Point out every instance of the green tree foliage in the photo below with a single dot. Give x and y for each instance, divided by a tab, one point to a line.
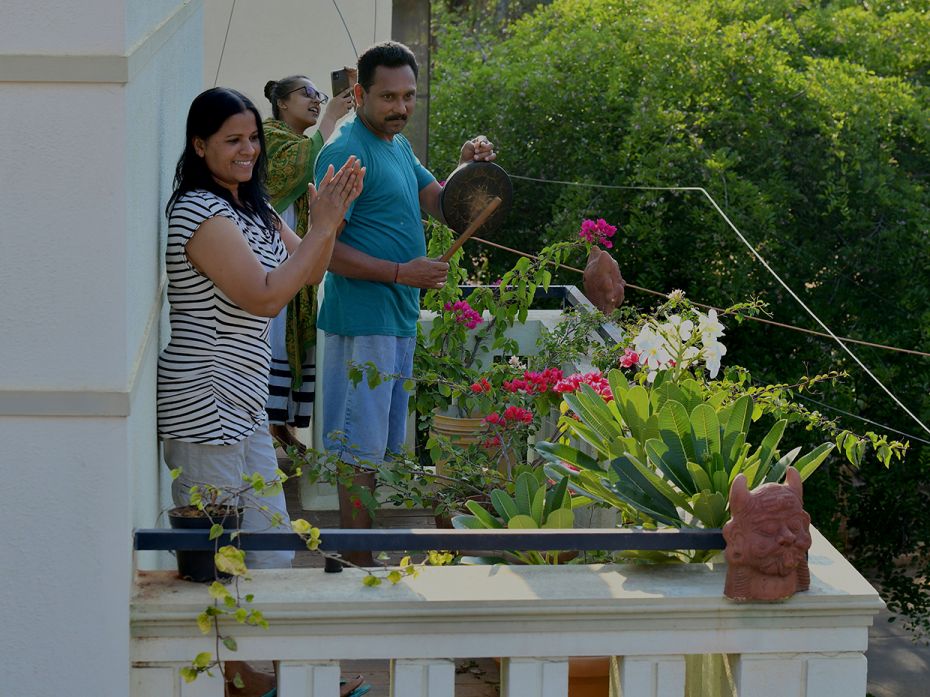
808	122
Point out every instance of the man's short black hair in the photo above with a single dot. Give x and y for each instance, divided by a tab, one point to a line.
390	54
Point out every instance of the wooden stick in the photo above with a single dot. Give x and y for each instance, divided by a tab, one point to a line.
472	228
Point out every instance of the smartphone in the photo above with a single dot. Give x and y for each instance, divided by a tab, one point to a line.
340	80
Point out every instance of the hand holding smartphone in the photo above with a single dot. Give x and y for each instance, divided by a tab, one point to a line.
341	81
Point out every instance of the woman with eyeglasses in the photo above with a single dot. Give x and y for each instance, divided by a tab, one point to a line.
296	105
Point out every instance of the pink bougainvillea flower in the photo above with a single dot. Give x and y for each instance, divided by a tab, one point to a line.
629	358
597	232
464	314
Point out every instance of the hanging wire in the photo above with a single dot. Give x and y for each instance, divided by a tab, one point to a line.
348	33
761	260
712	307
225	38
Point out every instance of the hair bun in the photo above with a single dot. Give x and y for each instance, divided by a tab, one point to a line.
269	89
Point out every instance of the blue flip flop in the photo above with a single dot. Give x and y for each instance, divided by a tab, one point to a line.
362	689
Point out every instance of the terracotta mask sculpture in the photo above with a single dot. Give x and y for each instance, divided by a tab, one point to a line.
767	538
603	284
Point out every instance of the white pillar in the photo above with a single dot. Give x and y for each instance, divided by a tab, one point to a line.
422	677
534	677
772	675
653	676
308	678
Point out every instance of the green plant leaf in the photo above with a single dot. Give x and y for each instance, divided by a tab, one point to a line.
230	560
662	486
467	522
769	445
735	421
215	531
705	432
556	452
710	508
618	383
524	489
522	522
634	406
503	504
700	477
560	518
557	497
487	520
809	463
539	505
632	485
777	471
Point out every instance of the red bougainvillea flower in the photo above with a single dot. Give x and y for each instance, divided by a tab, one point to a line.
481	386
629	358
597	232
492	442
534	383
357	503
514	414
493	418
595	379
464	314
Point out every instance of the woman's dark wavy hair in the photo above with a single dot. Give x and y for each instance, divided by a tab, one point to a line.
207	114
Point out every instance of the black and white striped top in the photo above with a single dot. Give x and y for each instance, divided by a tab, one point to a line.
213	374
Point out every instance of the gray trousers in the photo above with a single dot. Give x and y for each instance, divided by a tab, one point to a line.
223	467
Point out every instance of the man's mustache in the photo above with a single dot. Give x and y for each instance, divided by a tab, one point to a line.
398	117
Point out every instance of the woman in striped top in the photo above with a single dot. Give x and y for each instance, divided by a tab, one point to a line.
232	264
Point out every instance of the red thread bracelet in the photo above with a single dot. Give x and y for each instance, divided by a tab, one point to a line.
396	270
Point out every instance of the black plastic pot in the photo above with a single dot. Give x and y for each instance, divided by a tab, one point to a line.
198	566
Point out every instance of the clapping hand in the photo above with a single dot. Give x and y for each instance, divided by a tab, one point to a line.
337	191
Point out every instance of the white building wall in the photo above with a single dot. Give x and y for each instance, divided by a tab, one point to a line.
271	39
93	97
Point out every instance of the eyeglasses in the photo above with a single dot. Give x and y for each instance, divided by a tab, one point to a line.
311	93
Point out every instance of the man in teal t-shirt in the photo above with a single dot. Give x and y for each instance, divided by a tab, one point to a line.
371	299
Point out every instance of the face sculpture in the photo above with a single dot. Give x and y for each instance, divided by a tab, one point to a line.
767	538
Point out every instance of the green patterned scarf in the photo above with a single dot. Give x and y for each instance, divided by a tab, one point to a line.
290	170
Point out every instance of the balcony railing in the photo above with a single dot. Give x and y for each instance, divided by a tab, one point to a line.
653	620
648	617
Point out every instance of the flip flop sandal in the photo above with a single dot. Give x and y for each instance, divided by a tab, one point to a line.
362	689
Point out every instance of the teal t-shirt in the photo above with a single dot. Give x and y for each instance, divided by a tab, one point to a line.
383	222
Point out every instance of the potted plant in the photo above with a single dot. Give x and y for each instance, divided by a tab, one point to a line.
667	443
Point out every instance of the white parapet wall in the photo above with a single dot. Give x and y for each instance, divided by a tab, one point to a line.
649	617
